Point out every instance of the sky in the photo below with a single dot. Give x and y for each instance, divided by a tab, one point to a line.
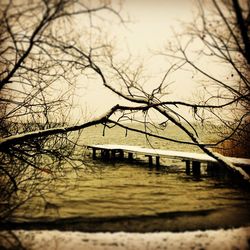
150	25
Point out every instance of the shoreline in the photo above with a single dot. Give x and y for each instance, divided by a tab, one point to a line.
178	221
238	238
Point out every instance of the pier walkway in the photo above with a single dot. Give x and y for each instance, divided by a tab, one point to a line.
109	151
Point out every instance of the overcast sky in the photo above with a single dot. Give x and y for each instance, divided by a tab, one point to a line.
152	26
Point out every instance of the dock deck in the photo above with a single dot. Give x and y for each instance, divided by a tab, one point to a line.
188	157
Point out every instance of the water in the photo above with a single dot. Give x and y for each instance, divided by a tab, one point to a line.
114	196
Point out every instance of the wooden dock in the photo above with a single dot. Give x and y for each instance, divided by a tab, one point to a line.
194	160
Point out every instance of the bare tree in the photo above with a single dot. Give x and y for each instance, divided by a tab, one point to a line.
221	31
41	55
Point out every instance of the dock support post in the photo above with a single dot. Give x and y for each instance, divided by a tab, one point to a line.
121	154
187	167
210	168
94	153
130	156
157	161
113	154
105	154
150	160
196	168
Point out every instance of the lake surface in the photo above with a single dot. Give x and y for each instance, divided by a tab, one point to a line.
124	196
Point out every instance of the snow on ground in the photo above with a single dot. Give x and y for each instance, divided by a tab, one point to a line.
58	240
